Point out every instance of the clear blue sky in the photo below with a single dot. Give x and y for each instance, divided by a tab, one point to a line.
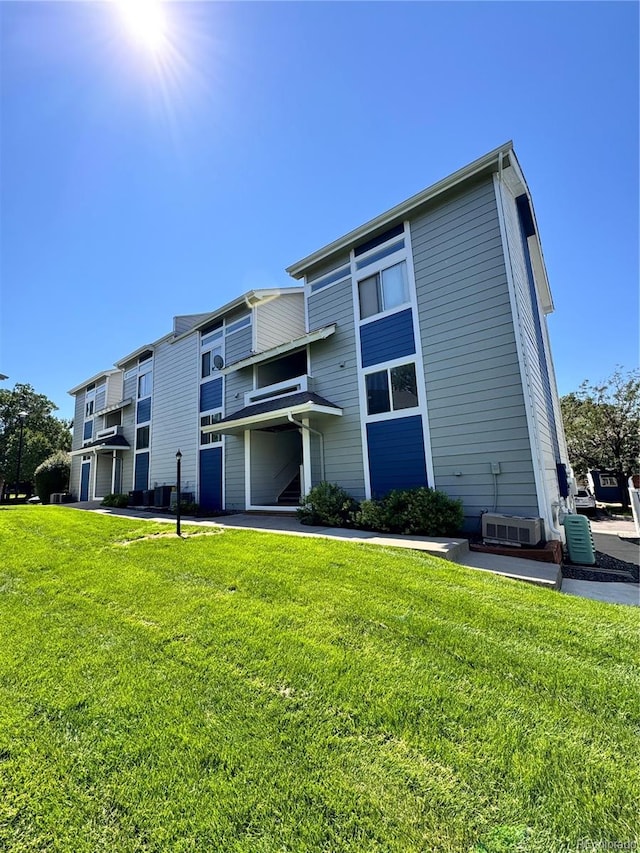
135	188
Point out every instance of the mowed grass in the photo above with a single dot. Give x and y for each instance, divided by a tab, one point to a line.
253	692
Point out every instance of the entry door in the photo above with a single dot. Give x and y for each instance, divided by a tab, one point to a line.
85	474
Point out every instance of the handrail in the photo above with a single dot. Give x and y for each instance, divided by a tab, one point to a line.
292	461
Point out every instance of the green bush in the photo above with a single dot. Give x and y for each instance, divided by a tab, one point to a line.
52	475
329	505
421	512
116	500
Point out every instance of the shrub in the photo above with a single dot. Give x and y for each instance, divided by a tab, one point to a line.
116	500
187	508
52	475
421	511
328	504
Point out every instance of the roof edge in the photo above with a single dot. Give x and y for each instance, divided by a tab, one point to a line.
401	210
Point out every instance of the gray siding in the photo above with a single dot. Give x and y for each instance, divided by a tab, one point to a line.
236	383
343	436
114	389
174	413
184	322
101	396
238	345
78	421
129	432
474	393
531	355
279	320
325	267
103	473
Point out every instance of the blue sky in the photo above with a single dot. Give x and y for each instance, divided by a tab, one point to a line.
136	187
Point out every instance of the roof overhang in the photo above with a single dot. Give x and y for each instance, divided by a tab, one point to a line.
115	407
282	349
277	417
99	448
136	354
247	300
102	375
484	165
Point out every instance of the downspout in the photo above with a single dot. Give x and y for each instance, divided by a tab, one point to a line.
292	420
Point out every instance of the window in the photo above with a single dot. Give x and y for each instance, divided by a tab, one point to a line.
89	400
607	481
144	385
239	324
88	409
113	419
392	389
211	345
210	437
142	438
384	290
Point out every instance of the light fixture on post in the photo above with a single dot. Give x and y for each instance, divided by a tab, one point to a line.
178	494
22	417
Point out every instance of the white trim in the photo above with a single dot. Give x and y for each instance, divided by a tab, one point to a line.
394	415
253	420
269	508
536	459
305	486
83	385
247	468
278	389
423	402
362	390
387	313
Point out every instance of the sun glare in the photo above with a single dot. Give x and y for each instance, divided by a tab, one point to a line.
146	22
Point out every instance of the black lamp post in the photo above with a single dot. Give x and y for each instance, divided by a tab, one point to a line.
178	495
22	417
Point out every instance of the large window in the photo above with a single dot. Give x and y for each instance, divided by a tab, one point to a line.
384	290
392	389
142	438
144	385
210	437
211	347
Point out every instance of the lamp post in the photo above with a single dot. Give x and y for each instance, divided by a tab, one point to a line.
178	495
22	416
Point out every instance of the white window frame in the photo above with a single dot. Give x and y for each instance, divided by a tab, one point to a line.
209	342
377	268
239	324
207	440
387	367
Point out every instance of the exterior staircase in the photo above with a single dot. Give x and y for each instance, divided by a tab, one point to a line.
290	495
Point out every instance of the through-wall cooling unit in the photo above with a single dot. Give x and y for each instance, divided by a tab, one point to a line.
512	530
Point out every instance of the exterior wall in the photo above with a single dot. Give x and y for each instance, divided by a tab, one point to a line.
344	462
103	473
114	389
275	459
279	320
238	345
534	341
474	394
101	395
184	322
236	383
174	423
129	432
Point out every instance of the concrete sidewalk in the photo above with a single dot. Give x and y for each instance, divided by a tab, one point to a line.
615	536
456	550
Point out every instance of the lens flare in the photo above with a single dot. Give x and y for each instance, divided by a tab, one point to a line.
146	22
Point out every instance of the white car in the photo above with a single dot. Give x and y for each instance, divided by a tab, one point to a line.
585	501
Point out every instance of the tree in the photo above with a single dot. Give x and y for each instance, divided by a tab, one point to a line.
43	433
602	425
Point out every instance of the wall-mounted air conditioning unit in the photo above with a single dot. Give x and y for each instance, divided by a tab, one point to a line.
512	530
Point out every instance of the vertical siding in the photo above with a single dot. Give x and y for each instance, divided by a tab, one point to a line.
174	422
279	320
539	384
472	374
236	383
343	437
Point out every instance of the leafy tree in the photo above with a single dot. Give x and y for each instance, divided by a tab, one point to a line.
43	433
602	425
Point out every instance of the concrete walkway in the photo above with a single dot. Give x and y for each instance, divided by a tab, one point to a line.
456	550
616	537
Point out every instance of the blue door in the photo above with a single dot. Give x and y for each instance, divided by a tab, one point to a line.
211	478
84	481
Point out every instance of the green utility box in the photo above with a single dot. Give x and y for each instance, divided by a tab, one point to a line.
579	540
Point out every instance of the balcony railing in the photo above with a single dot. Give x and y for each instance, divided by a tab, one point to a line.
279	389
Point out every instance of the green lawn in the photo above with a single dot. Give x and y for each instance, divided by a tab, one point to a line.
251	692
